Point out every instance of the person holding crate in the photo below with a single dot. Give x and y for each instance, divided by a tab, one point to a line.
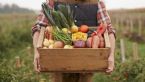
94	11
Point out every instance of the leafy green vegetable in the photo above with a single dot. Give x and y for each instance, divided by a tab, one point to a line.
60	36
61	18
47	11
68	13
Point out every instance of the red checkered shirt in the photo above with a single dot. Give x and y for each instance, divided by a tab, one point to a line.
102	16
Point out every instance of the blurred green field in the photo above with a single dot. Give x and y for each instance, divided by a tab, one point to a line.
16	42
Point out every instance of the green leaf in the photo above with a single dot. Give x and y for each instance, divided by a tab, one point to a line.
63	20
47	13
56	18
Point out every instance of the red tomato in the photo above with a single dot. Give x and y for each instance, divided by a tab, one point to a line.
84	28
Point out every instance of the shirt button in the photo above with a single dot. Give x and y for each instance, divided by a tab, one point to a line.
76	6
75	21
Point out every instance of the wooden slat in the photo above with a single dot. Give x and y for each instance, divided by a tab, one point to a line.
41	37
73	60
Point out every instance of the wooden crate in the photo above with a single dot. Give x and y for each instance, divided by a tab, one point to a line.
73	60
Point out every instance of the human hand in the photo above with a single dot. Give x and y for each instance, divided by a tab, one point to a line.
36	61
36	54
110	64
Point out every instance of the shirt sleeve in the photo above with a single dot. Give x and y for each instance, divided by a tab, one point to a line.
103	16
41	19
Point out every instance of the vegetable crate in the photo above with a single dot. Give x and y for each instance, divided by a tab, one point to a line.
73	60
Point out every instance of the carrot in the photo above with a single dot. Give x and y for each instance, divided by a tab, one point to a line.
100	30
95	42
102	42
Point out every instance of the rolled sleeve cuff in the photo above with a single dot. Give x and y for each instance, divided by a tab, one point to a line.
35	28
112	30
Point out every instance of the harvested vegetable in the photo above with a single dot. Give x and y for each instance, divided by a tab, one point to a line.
68	13
60	36
68	47
79	36
62	22
44	47
58	44
102	42
65	30
84	28
46	43
51	41
47	12
49	29
74	29
100	30
95	42
48	32
89	42
51	46
79	44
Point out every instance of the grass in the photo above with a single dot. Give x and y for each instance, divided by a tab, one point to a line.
16	41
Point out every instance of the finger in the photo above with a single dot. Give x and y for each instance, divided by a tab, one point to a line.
110	67
38	65
109	71
35	68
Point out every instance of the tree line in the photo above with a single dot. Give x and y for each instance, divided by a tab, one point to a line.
13	9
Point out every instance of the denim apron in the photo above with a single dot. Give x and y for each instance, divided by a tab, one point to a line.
83	13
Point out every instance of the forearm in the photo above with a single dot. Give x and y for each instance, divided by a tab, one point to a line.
112	49
35	40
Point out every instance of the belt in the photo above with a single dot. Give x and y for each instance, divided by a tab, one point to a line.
78	1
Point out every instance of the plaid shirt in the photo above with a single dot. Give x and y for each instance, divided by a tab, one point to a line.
102	16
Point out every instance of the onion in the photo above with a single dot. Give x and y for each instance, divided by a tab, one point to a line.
74	29
51	46
58	44
46	43
68	47
80	44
